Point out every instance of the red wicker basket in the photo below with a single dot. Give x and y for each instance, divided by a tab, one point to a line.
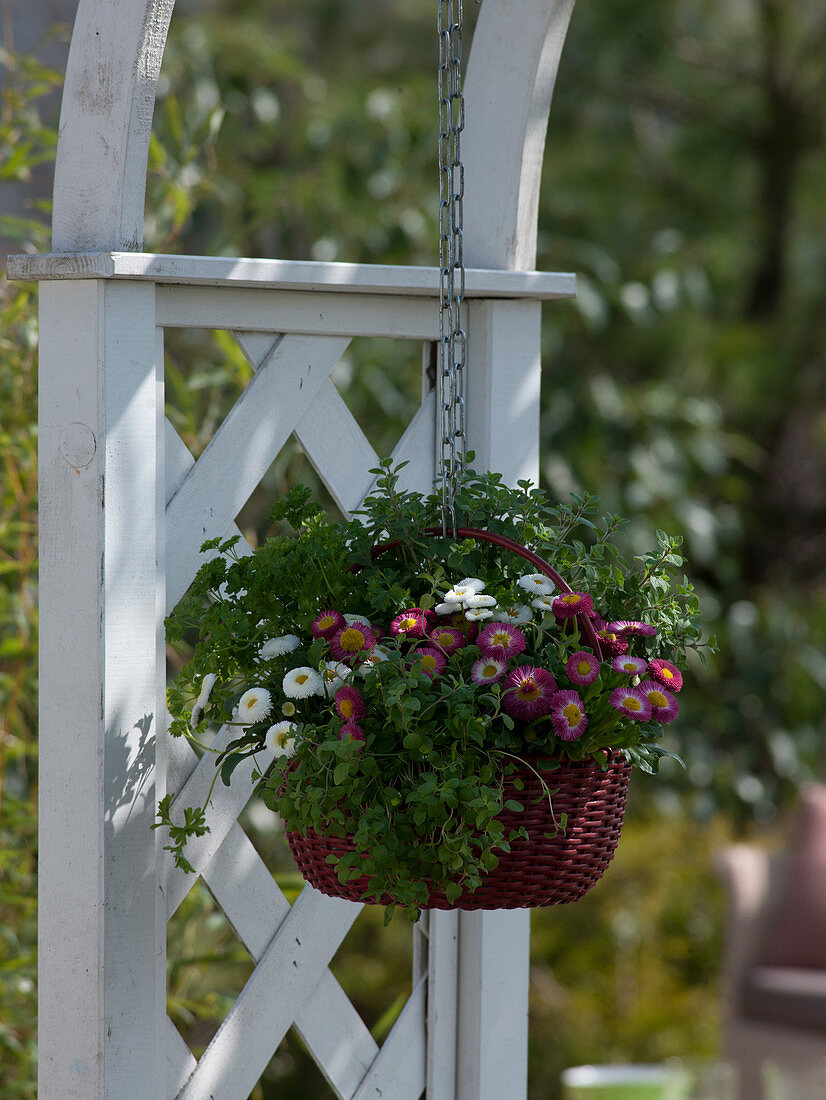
550	867
545	869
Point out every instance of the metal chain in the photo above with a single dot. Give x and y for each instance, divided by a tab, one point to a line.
453	338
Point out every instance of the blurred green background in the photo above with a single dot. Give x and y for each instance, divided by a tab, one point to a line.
685	183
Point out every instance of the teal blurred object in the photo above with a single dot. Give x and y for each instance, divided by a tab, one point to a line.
626	1083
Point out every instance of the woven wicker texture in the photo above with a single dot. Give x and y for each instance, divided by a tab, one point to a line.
541	870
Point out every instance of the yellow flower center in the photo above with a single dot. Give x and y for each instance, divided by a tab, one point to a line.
252	702
583	668
282	739
326	621
351	640
632	703
572	714
302	678
429	662
501	639
288	709
345	707
408	623
657	699
528	691
571	598
667	673
629	666
489	671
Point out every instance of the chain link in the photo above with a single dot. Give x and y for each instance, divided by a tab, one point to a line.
452	335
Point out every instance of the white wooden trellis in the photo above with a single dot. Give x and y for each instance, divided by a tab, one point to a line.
124	509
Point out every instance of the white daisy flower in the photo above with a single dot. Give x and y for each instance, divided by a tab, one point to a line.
479	601
468	587
544	603
515	613
377	654
476	614
537	583
254	704
301	683
449	607
277	647
334	676
279	741
207	684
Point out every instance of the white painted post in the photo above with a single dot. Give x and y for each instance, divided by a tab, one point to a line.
503	429
511	75
102	921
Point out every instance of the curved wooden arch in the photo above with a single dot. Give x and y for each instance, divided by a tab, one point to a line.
510	80
109	97
105	124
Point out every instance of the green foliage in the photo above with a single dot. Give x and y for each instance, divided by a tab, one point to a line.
421	787
26	141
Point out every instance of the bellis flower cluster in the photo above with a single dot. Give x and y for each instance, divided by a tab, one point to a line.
385	678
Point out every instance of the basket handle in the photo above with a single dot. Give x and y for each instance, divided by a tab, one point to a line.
585	624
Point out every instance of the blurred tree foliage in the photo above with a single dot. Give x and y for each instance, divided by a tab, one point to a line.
684	183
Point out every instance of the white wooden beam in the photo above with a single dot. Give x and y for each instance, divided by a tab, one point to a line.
297	275
503	389
101	936
337	448
277	990
442	1006
241	451
492	1054
328	1024
180	1061
399	1071
297	311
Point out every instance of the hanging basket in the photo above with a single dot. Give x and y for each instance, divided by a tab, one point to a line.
548	868
552	866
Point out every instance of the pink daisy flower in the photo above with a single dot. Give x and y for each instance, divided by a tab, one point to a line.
572	603
349	703
633	666
501	640
582	668
626	627
469	630
568	715
612	644
431	661
666	673
664	707
327	624
527	692
410	624
448	639
631	702
351	732
349	643
487	670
